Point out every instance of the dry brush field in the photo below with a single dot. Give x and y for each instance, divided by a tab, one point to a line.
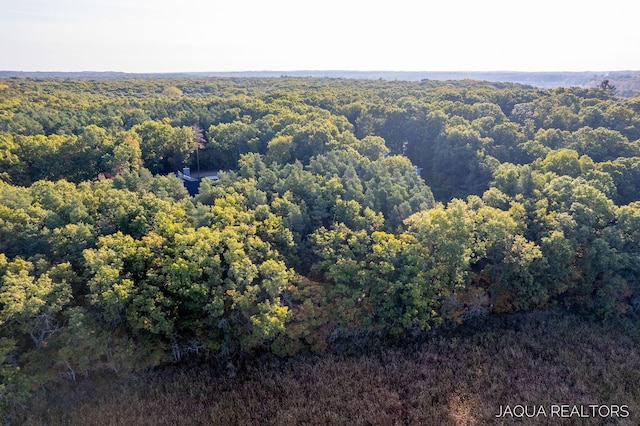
541	359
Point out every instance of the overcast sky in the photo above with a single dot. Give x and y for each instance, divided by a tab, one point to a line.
256	35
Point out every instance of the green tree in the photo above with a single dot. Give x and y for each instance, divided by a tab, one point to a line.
31	305
447	235
378	279
9	160
164	148
373	147
231	140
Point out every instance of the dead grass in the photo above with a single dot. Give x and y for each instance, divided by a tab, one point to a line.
458	379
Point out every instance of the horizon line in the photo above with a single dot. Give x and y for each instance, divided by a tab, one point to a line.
316	71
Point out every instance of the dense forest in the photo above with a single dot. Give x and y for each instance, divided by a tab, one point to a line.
627	83
343	208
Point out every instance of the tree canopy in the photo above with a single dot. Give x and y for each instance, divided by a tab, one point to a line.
340	207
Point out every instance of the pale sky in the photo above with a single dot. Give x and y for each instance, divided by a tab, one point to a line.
288	35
